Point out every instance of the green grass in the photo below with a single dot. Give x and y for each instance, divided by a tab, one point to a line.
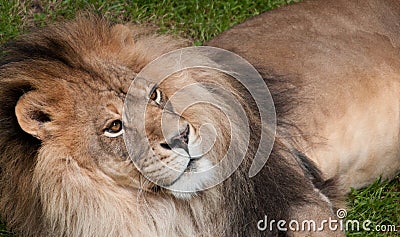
195	19
200	21
380	204
3	231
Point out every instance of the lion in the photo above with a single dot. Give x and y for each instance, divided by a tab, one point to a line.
65	169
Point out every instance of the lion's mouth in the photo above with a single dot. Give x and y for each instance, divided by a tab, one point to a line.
184	149
191	167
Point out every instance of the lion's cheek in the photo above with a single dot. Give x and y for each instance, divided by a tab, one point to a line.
163	170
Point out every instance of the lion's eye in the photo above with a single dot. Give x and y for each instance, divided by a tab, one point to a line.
114	129
156	96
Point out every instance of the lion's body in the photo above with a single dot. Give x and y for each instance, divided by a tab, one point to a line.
342	60
65	170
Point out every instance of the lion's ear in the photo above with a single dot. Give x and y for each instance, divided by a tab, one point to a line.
31	115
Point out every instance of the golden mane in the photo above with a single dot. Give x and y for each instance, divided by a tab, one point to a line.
46	192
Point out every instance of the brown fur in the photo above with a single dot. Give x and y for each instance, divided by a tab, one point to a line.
61	177
341	59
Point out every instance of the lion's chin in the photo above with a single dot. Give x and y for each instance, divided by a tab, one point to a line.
195	178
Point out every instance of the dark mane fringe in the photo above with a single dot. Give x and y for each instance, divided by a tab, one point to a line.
18	150
273	192
285	93
83	48
48	44
287	180
286	96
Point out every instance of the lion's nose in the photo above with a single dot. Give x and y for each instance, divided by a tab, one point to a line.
179	141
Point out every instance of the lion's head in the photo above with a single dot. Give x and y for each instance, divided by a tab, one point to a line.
64	89
65	169
72	104
185	138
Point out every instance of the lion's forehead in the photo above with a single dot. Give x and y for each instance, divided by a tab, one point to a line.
79	103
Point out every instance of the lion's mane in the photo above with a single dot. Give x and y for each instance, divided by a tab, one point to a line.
35	200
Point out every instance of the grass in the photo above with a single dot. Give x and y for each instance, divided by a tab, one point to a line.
4	232
196	19
380	204
200	21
